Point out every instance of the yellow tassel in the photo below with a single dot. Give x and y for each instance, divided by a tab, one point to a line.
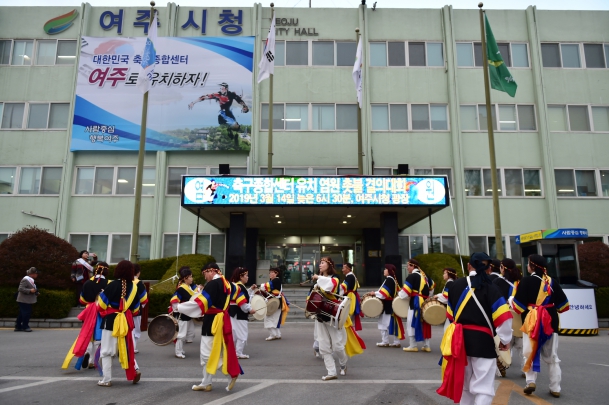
217	345
69	356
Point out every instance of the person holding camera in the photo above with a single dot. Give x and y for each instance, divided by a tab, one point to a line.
27	296
81	272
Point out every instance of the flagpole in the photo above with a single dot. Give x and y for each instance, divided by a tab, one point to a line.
491	141
360	154
135	233
269	169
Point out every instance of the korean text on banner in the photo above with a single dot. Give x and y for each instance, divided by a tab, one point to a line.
148	63
357	72
267	60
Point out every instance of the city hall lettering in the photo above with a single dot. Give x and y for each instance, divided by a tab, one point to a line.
292	22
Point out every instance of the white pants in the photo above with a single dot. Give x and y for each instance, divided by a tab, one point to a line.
549	354
516	347
186	332
108	350
137	330
240	333
331	340
478	386
411	333
206	345
91	349
383	326
270	323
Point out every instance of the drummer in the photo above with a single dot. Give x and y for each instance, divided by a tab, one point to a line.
449	276
185	289
507	283
389	324
240	308
418	287
274	322
330	339
349	288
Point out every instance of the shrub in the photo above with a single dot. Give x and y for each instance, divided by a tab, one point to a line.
158	303
54	304
594	263
433	265
151	269
602	302
35	247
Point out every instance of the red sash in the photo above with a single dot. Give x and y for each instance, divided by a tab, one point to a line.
227	331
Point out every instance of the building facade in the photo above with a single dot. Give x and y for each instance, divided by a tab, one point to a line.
423	105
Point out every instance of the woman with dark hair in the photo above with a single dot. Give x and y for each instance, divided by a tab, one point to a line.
116	305
507	283
539	300
240	308
274	287
389	324
449	274
90	291
330	339
184	291
418	287
81	271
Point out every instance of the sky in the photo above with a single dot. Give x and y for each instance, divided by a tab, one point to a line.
462	4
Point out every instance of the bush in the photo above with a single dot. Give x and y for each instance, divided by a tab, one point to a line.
433	265
594	263
35	247
54	304
602	302
158	303
151	269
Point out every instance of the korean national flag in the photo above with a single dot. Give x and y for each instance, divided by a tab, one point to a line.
144	79
267	61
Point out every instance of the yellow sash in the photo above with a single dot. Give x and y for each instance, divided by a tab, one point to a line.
218	345
121	328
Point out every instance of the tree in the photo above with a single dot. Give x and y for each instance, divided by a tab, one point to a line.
594	263
35	247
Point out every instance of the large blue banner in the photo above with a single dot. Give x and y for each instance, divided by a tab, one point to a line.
200	98
310	190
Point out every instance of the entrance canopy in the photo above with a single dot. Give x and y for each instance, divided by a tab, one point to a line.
313	202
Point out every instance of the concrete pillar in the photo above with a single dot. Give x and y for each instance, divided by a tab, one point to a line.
391	251
235	244
373	262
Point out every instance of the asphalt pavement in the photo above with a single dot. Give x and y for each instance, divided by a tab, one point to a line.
279	372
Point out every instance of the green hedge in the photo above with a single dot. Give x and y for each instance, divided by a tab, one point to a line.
602	302
433	265
54	304
151	269
158	303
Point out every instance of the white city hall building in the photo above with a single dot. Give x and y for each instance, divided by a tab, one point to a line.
423	105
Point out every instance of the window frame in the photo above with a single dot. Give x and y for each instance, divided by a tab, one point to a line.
495	108
409	112
511	64
407	54
10	51
114	181
501	184
194	242
17	180
35	47
597	183
590	116
109	243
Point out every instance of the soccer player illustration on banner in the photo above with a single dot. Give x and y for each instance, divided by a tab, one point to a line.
225	117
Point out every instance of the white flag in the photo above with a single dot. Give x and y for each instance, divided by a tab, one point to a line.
267	61
357	72
144	78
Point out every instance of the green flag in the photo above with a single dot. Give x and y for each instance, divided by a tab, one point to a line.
501	78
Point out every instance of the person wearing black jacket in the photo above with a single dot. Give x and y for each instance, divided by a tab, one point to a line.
240	308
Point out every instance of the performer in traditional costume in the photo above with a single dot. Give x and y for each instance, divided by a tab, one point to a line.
240	308
89	338
418	286
343	342
116	304
494	270
468	345
449	276
540	299
137	317
81	272
273	322
389	324
349	288
507	283
185	289
217	345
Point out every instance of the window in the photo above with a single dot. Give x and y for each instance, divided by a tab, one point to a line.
5	51
512	117
7	180
345	53
323	171
279	53
570	55
275	171
511	182
111	248
567	55
399	117
594	56
393	117
40	118
343	171
296	117
435	54
550	55
148	182
12	115
581	182
121	246
174	180
421	117
125	181
416	53
278	118
576	118
346	116
4	236
323	117
66	53
442	244
397	53
45	52
51	180
381	171
469	54
485	244
102	183
380	117
212	244
600	118
297	53
29	181
22	52
296	171
378	54
112	181
143	247
323	53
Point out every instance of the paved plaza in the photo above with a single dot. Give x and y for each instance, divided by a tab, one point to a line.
278	372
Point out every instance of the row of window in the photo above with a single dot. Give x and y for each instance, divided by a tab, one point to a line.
26	52
469	54
582	183
576	118
568	55
512	117
112	181
112	248
34	115
511	182
30	180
